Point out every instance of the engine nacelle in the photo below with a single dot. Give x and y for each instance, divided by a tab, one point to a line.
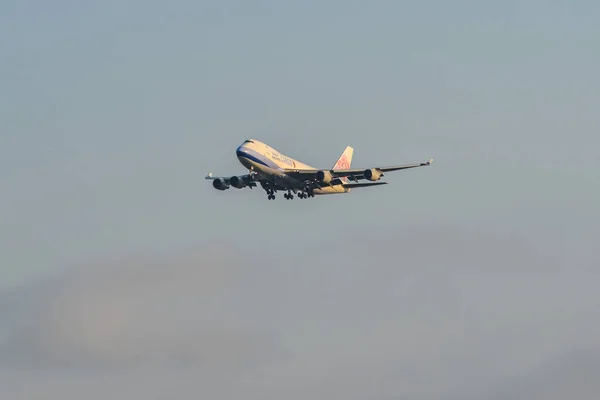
324	177
220	184
238	182
372	174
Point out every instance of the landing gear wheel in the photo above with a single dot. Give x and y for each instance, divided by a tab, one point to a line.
270	194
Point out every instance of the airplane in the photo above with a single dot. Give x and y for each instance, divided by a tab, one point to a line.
275	172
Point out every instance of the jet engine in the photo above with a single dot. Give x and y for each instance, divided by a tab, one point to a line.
220	184
324	177
238	182
372	174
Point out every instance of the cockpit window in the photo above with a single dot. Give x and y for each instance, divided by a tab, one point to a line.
248	141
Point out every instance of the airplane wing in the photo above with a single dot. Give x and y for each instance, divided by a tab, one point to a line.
359	185
354	174
210	176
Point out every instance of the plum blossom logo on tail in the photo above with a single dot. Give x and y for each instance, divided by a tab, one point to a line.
342	163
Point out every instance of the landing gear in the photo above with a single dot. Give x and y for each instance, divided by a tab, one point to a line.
302	194
308	192
270	194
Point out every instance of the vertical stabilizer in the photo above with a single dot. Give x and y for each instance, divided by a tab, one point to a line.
345	159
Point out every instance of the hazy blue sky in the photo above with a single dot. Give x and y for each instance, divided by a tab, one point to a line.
111	114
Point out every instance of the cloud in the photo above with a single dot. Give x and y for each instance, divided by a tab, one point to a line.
429	312
130	313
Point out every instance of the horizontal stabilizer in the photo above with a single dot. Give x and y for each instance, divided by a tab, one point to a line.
358	185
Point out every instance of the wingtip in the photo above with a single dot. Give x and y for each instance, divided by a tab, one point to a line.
208	176
430	161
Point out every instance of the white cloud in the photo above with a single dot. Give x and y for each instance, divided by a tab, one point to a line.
432	313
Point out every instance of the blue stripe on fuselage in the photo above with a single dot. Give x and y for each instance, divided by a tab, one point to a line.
246	155
242	154
256	157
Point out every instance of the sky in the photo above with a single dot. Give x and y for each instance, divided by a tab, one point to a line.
124	274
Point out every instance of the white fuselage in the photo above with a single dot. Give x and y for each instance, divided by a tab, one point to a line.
271	164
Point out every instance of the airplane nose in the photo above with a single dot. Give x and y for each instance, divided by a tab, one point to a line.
241	153
242	156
